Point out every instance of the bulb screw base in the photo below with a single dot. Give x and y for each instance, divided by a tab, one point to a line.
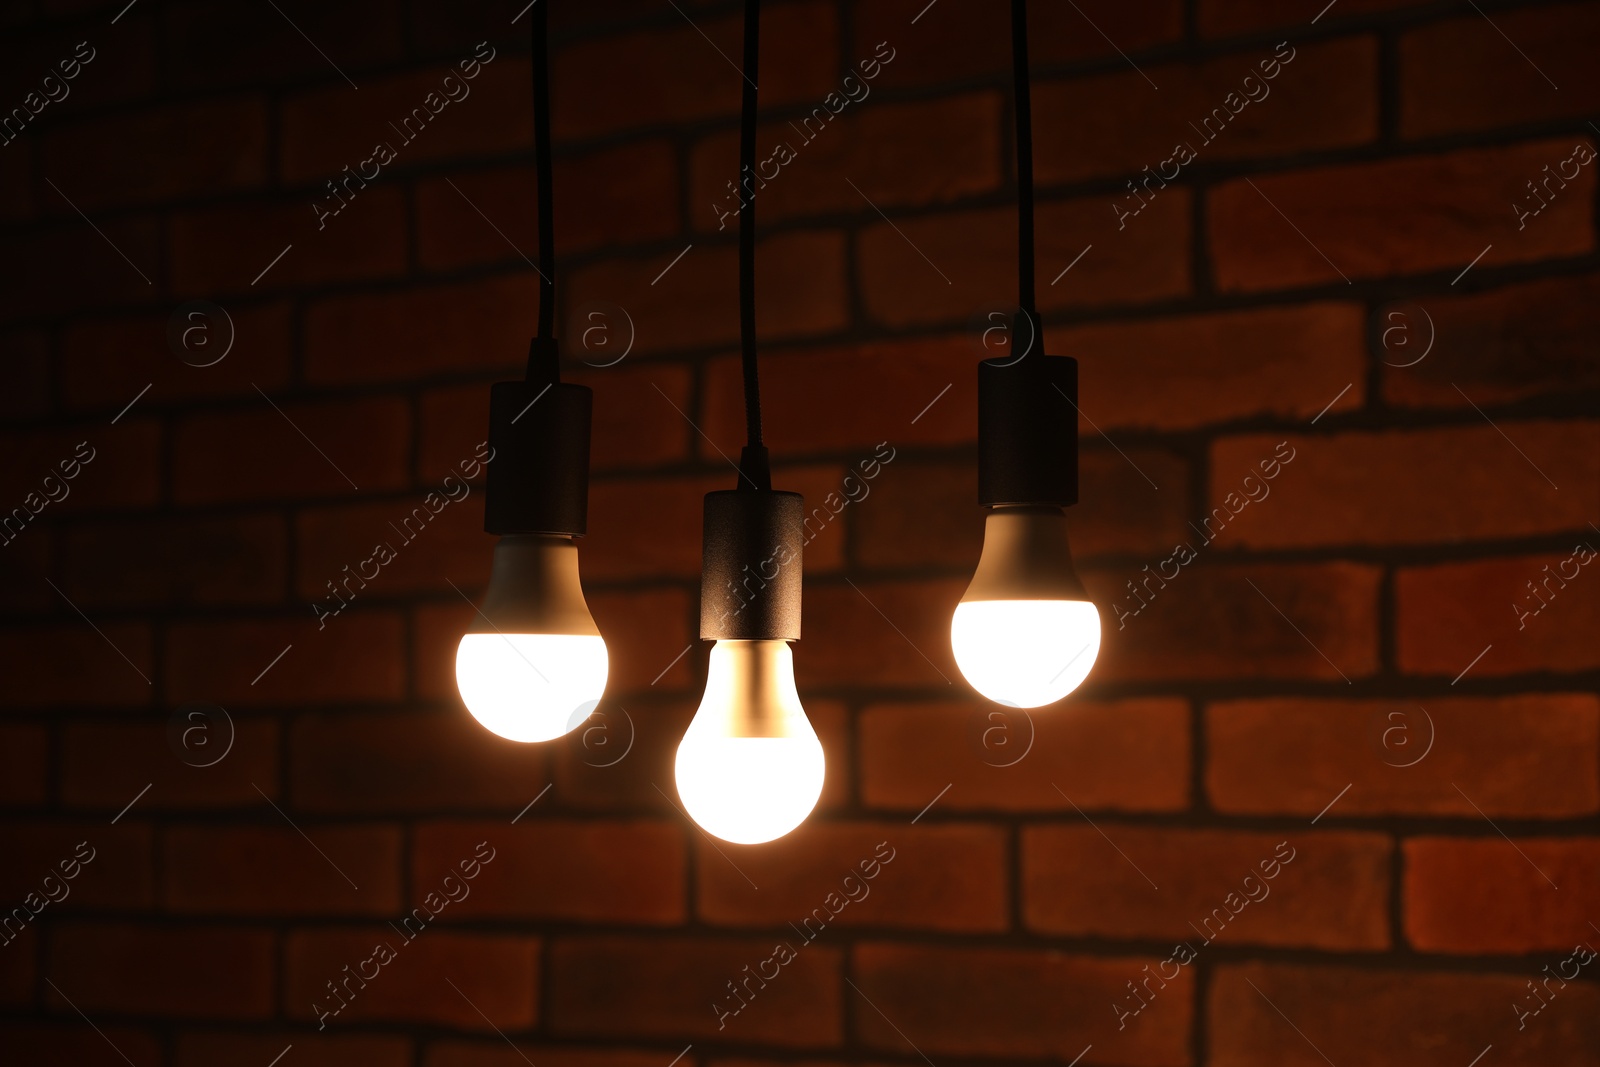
1028	431
751	565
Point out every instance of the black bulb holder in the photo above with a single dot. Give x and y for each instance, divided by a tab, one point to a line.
538	480
751	565
1028	431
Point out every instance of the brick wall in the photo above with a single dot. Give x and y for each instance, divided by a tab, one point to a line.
1338	750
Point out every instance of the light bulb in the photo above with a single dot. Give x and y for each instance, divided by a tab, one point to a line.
532	665
1025	633
750	767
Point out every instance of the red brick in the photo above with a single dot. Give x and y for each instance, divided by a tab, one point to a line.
105	765
920	513
1531	756
971	259
18	973
190	972
821	868
1505	345
205	148
260	453
1332	894
630	426
1404	487
16	178
623	195
644	634
25	374
1401	1016
236	559
71	1044
1223	18
1326	97
557	870
619	546
1197	370
430	548
23	566
356	657
1328	610
895	155
1493	895
671	987
381	763
850	635
71	664
954	42
123	73
118	873
496	976
494	1053
673	73
106	362
1465	74
419	333
1130	755
800	290
310	1049
71	267
230	249
1393	218
122	468
871	390
986	1002
24	753
625	753
1447	615
269	50
244	870
328	129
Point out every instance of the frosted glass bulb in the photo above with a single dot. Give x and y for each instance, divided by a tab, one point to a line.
1025	633
1025	653
750	767
532	665
531	687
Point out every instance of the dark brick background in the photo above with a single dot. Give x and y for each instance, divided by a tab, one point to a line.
1328	634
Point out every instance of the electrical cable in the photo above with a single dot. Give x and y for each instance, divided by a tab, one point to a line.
753	467
1023	108
541	142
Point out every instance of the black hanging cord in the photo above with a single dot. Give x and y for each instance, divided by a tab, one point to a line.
1024	115
542	361
753	467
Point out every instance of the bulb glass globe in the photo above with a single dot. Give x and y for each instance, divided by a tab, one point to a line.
1025	653
1025	633
750	767
533	665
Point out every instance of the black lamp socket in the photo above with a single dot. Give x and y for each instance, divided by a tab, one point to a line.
1028	431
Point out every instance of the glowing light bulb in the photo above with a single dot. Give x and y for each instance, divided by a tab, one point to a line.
750	767
1025	633
533	665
